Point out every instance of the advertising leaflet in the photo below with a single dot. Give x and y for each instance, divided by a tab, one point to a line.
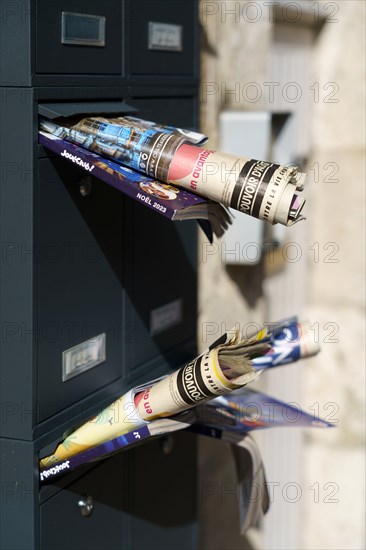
167	200
290	342
228	365
264	190
228	418
197	382
248	409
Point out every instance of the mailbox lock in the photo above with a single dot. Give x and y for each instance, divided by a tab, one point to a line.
167	444
86	506
85	186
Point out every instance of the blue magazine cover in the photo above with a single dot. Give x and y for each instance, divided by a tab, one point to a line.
167	200
228	418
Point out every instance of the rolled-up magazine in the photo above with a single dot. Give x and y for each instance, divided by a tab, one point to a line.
264	190
289	342
195	383
227	365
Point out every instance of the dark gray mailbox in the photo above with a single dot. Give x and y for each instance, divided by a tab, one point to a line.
77	264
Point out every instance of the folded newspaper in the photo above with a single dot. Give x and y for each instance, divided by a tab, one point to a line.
228	365
264	190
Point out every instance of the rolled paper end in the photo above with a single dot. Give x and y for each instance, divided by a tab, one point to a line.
308	345
290	207
296	207
137	399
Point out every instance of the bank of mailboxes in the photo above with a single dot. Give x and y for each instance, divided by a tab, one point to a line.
79	261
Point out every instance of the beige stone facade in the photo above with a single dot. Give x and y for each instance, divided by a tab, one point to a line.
237	48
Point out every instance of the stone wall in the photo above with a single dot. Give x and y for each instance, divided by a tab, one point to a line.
337	298
235	50
228	297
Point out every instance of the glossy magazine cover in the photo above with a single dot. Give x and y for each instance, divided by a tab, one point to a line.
164	199
228	418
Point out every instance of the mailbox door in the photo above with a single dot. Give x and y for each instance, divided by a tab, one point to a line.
160	268
163	37
144	498
79	289
160	289
81	37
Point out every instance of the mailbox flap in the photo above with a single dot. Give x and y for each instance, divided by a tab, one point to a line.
66	109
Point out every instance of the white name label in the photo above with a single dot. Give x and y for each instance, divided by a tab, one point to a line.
164	36
83	357
165	317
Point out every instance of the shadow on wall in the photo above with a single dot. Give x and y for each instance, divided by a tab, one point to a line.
249	280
